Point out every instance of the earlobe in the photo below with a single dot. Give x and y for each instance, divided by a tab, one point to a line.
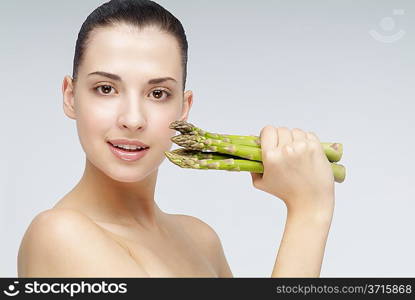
187	104
68	97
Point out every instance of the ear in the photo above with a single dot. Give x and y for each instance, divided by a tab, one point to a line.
187	104
68	97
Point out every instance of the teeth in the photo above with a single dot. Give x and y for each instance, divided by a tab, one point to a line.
129	147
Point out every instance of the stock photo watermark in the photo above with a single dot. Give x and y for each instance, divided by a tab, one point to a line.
70	289
387	31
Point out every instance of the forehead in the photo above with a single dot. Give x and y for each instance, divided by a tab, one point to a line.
140	52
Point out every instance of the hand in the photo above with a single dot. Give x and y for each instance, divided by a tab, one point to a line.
296	170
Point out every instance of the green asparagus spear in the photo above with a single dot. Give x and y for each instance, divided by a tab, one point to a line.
188	128
196	142
333	151
194	159
202	155
201	160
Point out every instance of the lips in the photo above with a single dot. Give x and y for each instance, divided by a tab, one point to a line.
127	150
127	142
127	155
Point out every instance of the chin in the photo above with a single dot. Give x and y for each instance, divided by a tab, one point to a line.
127	171
128	175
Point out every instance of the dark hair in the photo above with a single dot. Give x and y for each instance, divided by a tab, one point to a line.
140	13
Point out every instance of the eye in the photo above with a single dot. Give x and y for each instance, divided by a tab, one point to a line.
105	89
158	94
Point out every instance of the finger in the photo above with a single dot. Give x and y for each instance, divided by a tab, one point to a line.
269	138
256	178
284	137
299	146
312	136
298	134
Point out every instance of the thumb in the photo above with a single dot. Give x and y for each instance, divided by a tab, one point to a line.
256	178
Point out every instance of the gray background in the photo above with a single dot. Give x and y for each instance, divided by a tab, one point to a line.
308	64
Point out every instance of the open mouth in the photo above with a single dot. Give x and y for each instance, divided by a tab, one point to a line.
128	150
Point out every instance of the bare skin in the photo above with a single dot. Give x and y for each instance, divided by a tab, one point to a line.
91	248
174	246
109	224
297	171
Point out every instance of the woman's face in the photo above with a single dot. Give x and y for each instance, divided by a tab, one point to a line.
127	104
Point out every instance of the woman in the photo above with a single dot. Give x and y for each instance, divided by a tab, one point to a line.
128	85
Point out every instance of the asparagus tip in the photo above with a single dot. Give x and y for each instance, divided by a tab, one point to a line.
182	126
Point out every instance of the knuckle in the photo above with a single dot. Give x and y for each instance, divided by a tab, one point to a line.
299	145
288	149
283	128
283	132
314	145
268	127
266	130
312	135
298	130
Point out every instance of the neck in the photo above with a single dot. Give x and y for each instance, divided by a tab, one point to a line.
126	203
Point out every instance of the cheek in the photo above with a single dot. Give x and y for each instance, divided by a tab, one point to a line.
93	123
158	124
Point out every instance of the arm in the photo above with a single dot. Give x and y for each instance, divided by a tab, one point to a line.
297	171
301	250
302	247
65	243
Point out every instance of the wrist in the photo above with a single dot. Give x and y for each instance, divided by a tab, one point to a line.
320	212
318	218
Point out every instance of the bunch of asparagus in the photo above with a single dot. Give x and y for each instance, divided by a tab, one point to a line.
206	150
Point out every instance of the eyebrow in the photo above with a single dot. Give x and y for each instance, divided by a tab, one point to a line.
118	78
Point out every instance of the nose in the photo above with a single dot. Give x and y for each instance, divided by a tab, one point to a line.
131	114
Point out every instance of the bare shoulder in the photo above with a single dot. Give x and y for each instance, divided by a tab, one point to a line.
199	229
208	240
66	243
